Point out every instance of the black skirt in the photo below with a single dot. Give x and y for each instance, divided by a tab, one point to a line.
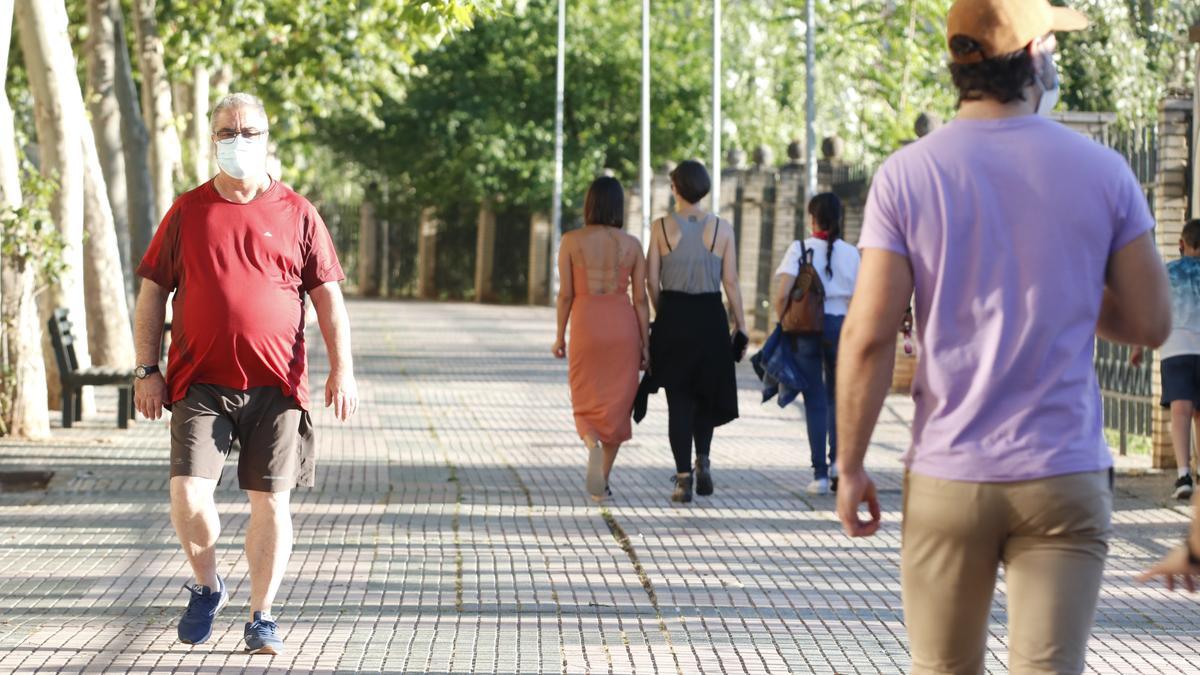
690	351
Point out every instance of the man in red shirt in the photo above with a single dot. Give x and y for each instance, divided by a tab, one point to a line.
239	252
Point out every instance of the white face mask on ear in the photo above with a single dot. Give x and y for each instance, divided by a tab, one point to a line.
1048	81
243	158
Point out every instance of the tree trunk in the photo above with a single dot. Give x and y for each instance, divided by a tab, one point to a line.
200	133
191	105
27	415
368	248
181	111
135	141
156	106
59	113
222	80
109	329
106	117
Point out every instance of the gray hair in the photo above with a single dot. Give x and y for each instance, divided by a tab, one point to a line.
234	101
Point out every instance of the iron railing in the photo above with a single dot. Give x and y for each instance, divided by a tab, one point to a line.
1125	388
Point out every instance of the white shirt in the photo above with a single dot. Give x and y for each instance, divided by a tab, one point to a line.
840	285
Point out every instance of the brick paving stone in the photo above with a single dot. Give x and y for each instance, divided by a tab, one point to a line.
449	532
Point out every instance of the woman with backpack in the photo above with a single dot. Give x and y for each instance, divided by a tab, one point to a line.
692	256
834	262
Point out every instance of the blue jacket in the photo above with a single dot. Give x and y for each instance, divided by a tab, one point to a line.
776	366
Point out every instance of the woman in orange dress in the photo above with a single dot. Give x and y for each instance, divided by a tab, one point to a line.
599	265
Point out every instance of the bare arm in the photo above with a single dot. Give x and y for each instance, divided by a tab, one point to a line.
1176	562
1136	308
641	304
729	279
1194	531
654	267
786	282
150	393
149	317
566	298
341	390
866	356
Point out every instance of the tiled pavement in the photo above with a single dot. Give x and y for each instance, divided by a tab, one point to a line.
449	533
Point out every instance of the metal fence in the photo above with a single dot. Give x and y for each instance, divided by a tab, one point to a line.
1125	388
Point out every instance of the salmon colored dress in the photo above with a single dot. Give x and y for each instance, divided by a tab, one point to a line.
604	351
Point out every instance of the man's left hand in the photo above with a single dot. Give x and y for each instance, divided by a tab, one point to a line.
341	392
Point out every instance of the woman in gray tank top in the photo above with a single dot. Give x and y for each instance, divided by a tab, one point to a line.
692	256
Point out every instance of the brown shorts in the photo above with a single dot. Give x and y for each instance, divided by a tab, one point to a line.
274	432
1051	535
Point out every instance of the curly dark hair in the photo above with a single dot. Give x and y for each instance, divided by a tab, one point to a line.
1003	78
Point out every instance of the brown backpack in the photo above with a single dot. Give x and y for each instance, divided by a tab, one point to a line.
804	313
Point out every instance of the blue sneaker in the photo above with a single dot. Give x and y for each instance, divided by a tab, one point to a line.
262	635
196	625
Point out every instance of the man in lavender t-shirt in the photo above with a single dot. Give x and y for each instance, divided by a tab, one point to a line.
1022	241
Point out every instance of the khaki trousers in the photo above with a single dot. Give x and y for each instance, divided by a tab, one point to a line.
1052	537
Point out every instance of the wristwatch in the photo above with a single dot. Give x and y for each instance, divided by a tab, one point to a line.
142	372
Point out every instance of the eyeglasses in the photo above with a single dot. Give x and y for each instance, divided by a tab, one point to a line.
227	136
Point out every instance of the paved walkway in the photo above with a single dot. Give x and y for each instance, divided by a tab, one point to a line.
449	533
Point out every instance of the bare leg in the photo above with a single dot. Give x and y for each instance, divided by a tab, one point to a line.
197	524
268	546
610	457
1181	428
1196	424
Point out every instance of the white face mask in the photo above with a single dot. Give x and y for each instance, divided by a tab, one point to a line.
243	158
1048	81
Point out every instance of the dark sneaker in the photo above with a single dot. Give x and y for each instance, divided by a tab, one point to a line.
683	488
1183	487
262	635
704	483
196	625
833	478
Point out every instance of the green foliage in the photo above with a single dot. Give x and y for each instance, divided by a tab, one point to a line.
880	63
477	116
473	118
1133	53
28	231
309	59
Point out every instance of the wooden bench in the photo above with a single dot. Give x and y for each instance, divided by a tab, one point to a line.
74	378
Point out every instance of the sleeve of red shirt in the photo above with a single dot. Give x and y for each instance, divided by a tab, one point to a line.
159	262
320	259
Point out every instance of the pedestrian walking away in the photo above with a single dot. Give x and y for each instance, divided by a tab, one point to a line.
692	256
600	267
1022	240
239	253
1179	356
816	354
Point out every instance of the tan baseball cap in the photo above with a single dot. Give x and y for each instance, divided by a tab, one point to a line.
1006	26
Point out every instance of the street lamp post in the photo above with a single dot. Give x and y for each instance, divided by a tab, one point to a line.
645	160
716	109
810	100
556	207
